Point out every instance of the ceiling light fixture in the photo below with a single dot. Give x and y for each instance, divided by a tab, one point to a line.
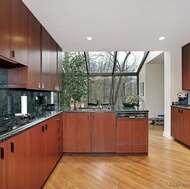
161	38
89	38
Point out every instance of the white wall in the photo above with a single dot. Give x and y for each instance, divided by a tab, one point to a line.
152	74
172	84
154	79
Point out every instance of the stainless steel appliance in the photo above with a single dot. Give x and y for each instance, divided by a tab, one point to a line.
182	99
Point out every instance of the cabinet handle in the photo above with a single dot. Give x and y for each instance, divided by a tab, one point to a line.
39	85
92	116
178	111
13	54
42	128
12	147
46	126
58	119
181	111
87	116
43	85
2	153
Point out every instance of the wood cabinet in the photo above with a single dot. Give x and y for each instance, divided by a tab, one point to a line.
49	62
176	122
76	132
3	164
5	28
180	124
103	132
88	132
132	135
27	159
16	162
186	67
34	53
18	31
59	68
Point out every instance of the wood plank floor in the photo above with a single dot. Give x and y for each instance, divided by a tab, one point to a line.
166	166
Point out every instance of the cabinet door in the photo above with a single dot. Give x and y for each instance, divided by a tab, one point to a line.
18	161
38	155
45	71
185	127
76	132
59	69
53	64
34	49
103	132
132	135
4	28
18	29
186	67
176	122
3	163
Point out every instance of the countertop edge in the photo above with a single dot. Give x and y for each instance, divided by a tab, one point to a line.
26	127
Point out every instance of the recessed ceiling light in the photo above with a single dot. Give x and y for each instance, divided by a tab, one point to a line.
89	38
161	38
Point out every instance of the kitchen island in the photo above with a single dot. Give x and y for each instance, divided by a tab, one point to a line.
115	131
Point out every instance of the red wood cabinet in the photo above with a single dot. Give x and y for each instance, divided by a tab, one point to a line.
18	31
76	132
132	135
3	164
34	53
88	132
103	132
180	124
53	64
176	122
5	28
16	162
186	67
59	68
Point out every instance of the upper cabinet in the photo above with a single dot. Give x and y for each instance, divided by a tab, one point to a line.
4	28
59	69
13	31
34	53
18	31
186	67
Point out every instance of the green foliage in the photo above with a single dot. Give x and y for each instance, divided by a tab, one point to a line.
133	99
74	79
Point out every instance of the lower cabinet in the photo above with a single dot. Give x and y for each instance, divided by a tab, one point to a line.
88	132
15	162
28	158
132	135
180	124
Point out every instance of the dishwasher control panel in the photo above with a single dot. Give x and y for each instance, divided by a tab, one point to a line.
132	115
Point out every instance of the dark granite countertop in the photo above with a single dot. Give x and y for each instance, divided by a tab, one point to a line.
184	107
28	125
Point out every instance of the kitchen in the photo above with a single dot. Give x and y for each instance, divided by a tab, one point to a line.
34	76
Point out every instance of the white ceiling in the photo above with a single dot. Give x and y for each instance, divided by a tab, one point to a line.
115	24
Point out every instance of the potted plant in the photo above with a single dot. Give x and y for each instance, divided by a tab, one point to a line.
132	101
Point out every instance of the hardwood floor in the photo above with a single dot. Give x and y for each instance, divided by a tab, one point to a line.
166	166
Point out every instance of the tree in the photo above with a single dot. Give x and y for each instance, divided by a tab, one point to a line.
74	78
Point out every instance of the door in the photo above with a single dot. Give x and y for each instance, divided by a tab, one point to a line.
103	132
3	163
176	122
18	29
34	55
76	132
4	28
18	161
